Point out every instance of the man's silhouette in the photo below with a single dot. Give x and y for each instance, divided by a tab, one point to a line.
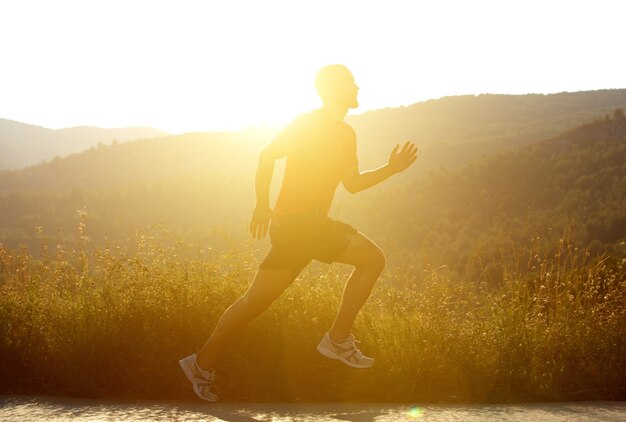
321	152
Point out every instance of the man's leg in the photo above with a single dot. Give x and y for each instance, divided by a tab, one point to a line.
369	262
266	287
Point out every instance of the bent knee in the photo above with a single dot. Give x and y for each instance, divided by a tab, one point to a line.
374	260
378	260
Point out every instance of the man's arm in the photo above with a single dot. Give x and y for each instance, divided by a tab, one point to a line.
399	160
262	214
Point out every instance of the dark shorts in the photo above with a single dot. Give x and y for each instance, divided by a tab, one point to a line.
299	238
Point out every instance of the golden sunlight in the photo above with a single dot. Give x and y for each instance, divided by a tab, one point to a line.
197	66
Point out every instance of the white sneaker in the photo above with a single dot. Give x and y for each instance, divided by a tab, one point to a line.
201	379
346	351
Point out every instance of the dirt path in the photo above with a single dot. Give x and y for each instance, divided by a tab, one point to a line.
26	408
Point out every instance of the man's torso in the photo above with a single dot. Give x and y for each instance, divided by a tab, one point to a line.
320	149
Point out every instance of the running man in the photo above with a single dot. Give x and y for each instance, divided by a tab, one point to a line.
321	152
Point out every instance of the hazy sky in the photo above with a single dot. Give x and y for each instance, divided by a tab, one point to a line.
208	65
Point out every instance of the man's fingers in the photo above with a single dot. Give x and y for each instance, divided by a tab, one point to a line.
408	148
395	149
258	229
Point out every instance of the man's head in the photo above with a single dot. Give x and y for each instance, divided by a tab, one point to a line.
335	85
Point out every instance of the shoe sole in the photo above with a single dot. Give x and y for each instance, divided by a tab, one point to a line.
191	378
332	355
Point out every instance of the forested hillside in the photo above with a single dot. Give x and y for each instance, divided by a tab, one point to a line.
571	186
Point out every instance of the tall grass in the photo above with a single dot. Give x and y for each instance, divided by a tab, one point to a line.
113	320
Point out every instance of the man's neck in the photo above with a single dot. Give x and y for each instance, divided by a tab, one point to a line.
335	111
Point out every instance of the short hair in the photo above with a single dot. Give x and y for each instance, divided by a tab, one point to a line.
327	77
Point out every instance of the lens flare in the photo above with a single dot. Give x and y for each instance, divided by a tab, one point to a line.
416	412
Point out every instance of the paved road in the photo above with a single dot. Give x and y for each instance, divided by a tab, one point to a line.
49	409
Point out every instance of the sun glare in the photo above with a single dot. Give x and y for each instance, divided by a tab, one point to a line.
194	65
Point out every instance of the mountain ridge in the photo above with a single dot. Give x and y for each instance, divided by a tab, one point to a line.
450	131
24	144
484	123
460	130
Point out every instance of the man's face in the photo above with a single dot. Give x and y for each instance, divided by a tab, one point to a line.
347	90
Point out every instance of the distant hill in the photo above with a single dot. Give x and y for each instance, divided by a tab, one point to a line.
453	131
23	145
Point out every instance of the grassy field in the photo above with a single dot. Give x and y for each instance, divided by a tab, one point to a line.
113	320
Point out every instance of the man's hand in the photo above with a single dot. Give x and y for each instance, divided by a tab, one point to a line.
260	223
401	160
